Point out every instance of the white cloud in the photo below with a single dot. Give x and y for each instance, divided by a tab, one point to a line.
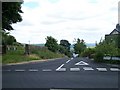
66	19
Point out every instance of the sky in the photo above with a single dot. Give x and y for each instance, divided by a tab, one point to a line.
66	19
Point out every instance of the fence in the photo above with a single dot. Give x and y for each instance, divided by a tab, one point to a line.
111	58
27	48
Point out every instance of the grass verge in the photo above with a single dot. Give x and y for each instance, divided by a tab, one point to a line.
18	56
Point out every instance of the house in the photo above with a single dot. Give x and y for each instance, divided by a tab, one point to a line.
114	36
116	30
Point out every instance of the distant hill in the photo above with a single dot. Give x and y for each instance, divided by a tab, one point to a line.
42	45
88	45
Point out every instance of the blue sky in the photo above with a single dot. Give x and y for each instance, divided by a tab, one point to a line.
66	19
31	4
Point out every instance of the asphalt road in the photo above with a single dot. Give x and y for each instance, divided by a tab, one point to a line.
61	73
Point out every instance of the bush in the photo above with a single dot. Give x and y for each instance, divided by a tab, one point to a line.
89	52
99	57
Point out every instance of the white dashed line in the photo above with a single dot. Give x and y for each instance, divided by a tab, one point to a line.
33	70
88	68
61	69
114	69
101	69
68	61
74	69
19	70
46	70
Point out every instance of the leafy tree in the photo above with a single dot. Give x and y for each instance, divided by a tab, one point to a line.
79	46
62	49
66	44
65	47
10	14
8	39
51	43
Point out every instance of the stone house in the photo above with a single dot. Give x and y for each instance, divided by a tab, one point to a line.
114	36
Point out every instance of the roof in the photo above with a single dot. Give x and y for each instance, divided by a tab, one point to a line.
116	30
118	27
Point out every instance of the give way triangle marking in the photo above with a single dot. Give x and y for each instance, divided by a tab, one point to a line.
81	63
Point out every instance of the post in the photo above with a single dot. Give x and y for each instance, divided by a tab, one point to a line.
27	49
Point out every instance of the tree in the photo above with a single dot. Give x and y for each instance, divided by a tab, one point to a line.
51	44
62	49
8	39
65	47
79	46
10	14
66	44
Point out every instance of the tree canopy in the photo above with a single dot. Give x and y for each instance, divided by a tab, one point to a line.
10	14
64	47
8	39
79	46
51	44
65	43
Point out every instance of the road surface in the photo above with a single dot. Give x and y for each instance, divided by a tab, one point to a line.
61	73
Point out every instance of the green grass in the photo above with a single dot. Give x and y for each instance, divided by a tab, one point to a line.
18	55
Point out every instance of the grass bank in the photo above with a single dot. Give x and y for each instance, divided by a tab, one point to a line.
18	55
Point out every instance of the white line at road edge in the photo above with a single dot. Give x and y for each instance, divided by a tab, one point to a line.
19	70
68	61
33	70
59	67
114	69
46	70
101	69
88	68
74	69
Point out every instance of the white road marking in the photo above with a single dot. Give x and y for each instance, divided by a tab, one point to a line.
19	70
60	67
46	70
101	69
68	61
33	70
74	69
114	69
88	68
81	63
71	58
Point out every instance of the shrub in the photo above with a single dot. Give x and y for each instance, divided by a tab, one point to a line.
89	52
98	57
